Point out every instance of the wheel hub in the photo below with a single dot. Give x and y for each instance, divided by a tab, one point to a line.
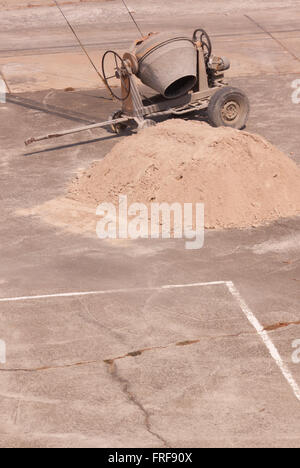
230	111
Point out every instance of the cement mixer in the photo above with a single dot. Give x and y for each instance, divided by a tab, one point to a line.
182	75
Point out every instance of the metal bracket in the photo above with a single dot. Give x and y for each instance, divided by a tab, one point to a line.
202	81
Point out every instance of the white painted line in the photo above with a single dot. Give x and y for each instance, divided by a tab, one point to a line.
109	291
193	285
265	338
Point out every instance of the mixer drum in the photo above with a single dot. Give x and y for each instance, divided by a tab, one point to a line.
167	64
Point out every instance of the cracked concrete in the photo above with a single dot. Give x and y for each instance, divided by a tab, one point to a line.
177	389
125	384
131	354
145	368
277	326
95	412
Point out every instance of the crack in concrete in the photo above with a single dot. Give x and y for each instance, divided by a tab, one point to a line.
125	384
45	368
136	353
179	343
277	326
139	352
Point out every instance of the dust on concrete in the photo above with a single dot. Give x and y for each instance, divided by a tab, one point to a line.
288	243
69	215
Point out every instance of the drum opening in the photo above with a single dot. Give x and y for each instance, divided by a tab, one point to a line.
180	87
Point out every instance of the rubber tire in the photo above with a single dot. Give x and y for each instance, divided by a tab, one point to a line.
217	102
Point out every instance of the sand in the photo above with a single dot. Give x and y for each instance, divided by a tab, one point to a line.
242	179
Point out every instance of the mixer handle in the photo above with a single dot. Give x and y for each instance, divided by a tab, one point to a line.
119	72
205	42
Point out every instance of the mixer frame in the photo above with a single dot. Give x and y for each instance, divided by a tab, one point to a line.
141	110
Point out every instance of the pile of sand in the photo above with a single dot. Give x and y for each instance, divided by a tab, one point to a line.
242	179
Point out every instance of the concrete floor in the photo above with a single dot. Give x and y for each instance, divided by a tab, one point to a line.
145	366
259	37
